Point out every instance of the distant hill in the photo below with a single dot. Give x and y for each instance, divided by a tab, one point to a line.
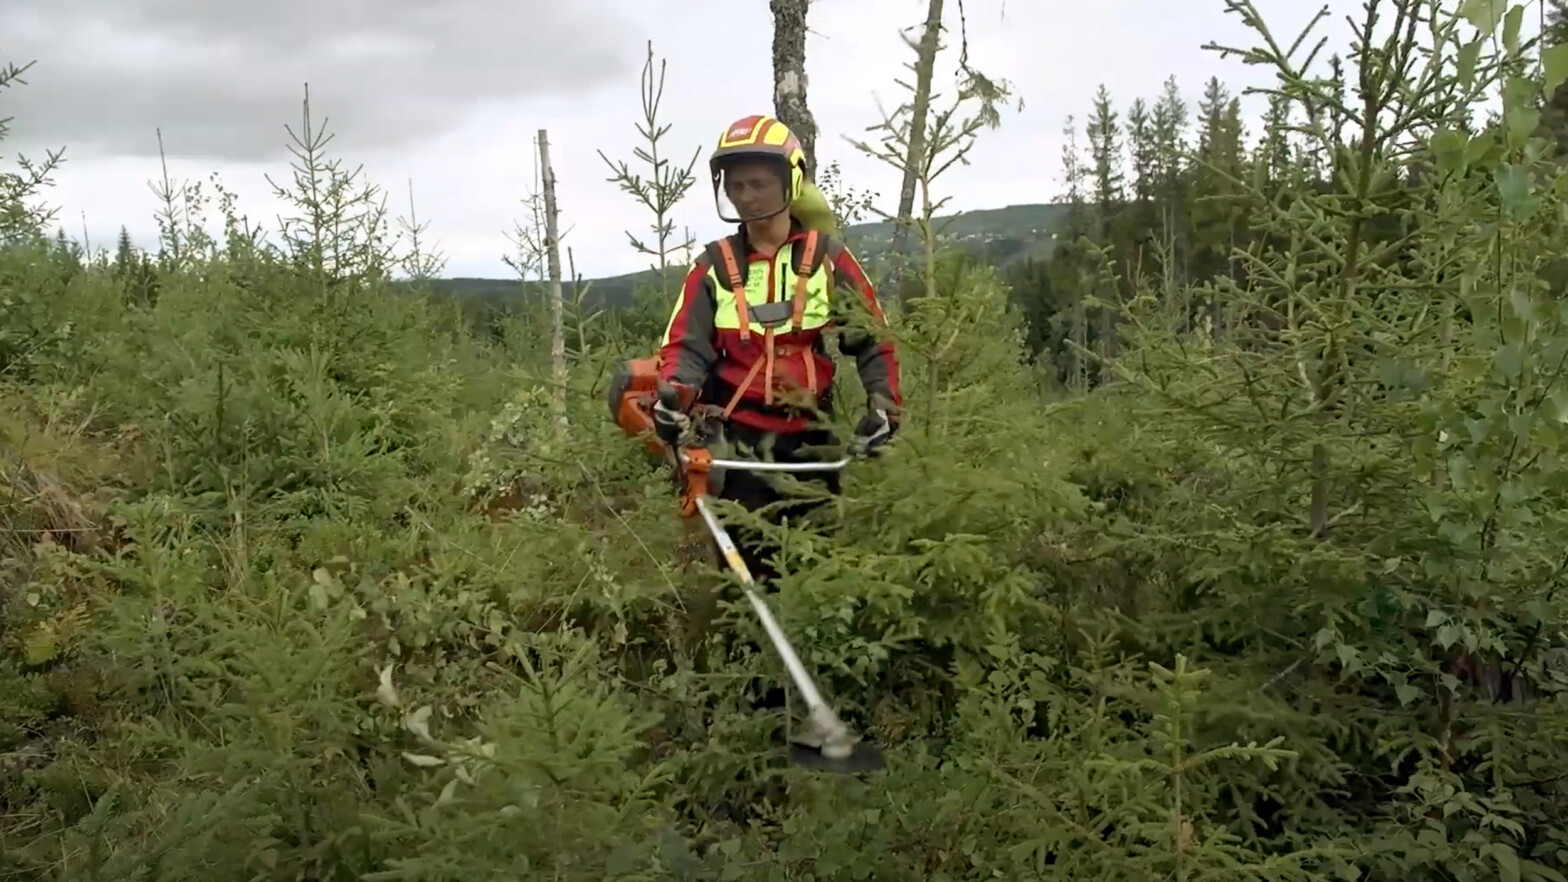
1032	225
1000	235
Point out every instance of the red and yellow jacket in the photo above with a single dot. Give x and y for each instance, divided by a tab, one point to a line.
749	330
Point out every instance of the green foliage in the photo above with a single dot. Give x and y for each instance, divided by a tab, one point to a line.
1353	468
21	216
298	579
665	186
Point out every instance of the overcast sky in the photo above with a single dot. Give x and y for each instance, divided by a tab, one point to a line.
451	94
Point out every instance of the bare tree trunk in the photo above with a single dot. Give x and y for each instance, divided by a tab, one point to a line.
1081	337
552	245
789	76
1108	341
925	64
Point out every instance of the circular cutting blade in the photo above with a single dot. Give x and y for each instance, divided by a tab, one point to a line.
864	757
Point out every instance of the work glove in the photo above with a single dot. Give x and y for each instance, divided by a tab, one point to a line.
669	422
877	426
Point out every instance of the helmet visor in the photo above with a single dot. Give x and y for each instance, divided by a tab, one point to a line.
751	187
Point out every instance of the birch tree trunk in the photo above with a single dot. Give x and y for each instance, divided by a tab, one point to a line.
552	247
789	76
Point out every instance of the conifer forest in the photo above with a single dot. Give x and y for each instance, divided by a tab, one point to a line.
1224	539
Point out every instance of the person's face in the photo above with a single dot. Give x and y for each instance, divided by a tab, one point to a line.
754	188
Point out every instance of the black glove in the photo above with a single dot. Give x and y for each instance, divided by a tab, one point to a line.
877	426
668	421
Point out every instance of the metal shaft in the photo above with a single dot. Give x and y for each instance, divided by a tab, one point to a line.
748	465
797	671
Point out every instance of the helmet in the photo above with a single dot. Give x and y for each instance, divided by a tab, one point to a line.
765	138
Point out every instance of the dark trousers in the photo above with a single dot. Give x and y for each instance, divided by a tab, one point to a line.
755	491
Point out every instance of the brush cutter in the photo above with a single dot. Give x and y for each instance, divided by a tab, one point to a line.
826	743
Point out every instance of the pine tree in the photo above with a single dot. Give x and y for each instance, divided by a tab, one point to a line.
1209	181
1211	112
1066	254
1072	176
1140	135
1105	150
1275	155
124	254
1219	206
21	216
1170	144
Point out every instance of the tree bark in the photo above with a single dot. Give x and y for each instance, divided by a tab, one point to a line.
789	76
552	246
925	64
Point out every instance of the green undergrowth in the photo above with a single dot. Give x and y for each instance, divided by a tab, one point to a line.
300	577
267	617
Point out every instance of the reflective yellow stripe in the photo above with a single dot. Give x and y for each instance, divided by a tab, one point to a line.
817	313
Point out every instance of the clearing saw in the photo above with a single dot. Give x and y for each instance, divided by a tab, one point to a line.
826	743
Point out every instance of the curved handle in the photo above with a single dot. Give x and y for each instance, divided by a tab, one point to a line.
757	465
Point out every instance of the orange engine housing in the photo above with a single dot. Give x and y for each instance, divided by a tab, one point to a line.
634	386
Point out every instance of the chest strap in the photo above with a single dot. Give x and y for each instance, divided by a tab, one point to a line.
797	319
802	349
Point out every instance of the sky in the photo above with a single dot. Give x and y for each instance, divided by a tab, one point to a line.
450	96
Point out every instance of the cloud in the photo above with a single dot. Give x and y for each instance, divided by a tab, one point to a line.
222	78
470	172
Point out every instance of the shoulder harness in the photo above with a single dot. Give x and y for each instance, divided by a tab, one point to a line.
815	249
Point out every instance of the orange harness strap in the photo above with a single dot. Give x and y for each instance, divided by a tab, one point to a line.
803	278
737	286
756	368
802	281
741	389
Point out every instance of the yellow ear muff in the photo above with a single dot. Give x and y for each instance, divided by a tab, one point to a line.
811	209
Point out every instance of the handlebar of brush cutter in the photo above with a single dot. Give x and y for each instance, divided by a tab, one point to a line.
696	463
756	465
858	450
